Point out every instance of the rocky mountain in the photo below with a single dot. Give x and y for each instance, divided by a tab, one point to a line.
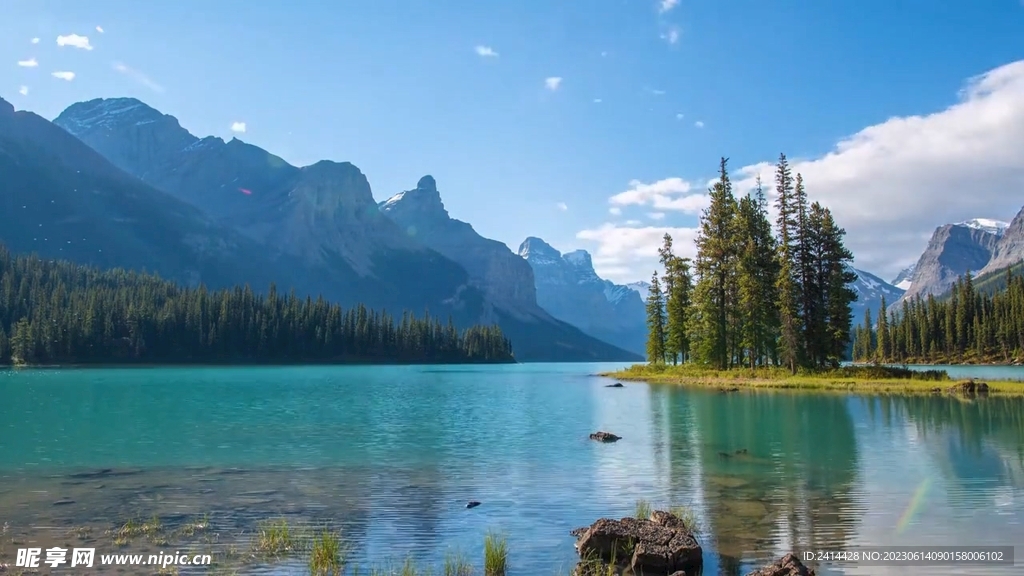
870	291
641	288
903	279
60	199
954	250
505	279
1010	248
570	289
321	217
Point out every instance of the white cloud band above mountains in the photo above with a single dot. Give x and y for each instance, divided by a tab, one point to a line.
890	185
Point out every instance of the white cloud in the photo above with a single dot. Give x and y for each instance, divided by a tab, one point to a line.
658	92
99	29
486	51
23	90
698	124
69	76
75	41
615	211
30	63
138	77
632	223
562	206
238	127
668	194
671	36
656	215
597	100
891	184
630	253
666	5
35	40
679	116
553	82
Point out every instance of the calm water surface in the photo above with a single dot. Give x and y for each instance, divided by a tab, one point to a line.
390	455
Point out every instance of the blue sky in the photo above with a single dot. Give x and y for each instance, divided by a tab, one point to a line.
401	90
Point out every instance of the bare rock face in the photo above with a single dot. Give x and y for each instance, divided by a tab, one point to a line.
661	544
605	437
505	278
953	250
1010	248
788	565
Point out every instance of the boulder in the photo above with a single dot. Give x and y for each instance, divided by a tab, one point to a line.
605	437
616	385
661	544
970	388
788	565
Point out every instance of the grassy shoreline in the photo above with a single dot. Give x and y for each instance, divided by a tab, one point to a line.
850	379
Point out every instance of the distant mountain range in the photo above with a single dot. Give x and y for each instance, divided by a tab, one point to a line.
120	184
980	246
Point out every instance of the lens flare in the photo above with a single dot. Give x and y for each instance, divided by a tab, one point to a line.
245	191
915	505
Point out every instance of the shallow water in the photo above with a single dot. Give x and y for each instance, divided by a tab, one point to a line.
390	455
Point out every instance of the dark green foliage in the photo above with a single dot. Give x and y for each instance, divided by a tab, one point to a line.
61	313
655	322
759	300
968	326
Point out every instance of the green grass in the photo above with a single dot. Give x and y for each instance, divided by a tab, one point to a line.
456	564
690	519
326	557
643	509
866	379
273	538
495	555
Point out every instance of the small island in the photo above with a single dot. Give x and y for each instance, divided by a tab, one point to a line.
60	313
770	307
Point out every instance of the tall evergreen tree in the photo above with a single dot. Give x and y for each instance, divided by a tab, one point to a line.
758	276
655	322
678	288
788	285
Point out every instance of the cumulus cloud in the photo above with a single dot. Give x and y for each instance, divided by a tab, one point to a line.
671	35
891	184
679	116
74	41
138	77
666	5
486	51
30	63
69	76
668	194
562	206
553	82
99	29
238	127
35	40
23	90
698	124
615	211
629	253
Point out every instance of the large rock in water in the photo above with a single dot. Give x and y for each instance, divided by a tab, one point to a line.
788	565
661	544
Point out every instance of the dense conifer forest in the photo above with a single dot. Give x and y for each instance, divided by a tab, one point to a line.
55	312
970	325
755	298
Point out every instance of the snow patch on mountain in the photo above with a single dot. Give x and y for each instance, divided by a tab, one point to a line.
989	225
642	288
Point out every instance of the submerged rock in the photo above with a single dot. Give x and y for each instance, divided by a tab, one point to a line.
661	544
788	565
472	504
616	385
605	437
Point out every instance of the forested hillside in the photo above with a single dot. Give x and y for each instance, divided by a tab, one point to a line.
55	312
970	325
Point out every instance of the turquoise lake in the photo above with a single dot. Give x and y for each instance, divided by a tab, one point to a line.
391	455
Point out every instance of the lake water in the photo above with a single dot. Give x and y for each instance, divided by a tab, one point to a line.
390	455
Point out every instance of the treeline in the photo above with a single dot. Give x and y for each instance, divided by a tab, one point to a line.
968	326
755	296
61	313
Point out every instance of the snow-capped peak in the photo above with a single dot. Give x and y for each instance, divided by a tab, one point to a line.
996	227
642	288
904	278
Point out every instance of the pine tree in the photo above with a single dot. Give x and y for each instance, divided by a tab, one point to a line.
678	288
758	275
716	291
882	352
655	322
787	285
836	276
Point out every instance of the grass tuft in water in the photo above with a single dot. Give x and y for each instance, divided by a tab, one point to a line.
689	517
495	555
326	557
456	564
643	509
273	538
